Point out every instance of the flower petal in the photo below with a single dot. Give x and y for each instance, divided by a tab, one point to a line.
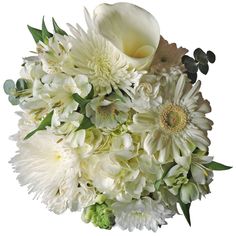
131	29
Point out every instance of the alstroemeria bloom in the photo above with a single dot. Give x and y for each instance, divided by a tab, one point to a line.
131	29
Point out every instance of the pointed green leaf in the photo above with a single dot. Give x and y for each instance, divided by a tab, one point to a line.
82	102
217	166
9	87
86	123
42	126
45	33
57	29
185	208
36	33
158	184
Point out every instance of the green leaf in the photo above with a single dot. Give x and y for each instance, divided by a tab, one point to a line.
192	77
13	100
57	29
85	124
204	68
191	67
45	33
158	184
187	59
42	126
82	102
217	166
211	56
21	84
185	208
9	87
200	56
36	33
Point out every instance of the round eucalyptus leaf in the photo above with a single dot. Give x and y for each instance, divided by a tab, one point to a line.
191	67
21	84
187	59
9	87
211	56
200	56
13	100
204	68
192	77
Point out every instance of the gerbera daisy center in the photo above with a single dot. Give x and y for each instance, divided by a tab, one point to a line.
173	118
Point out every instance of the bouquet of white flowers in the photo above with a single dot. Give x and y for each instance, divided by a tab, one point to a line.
113	121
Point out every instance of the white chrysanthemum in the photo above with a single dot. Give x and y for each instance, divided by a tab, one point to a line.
48	166
141	213
172	128
104	64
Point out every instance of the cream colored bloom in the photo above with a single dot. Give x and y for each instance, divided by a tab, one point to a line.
142	213
55	54
131	29
108	113
57	90
115	172
48	166
103	64
170	129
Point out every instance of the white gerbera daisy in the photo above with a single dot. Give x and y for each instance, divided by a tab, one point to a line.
48	166
141	213
179	123
105	66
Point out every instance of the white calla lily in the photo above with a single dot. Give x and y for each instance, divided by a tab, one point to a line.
131	29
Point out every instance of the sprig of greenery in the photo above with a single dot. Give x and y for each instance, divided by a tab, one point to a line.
199	62
42	126
13	90
43	34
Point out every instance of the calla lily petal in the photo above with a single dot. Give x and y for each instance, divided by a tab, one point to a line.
131	29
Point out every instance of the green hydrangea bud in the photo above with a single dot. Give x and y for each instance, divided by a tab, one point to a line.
100	215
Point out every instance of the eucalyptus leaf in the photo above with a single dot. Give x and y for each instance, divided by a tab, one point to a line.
42	126
187	59
9	87
217	166
191	67
211	56
13	100
204	68
200	56
57	29
192	77
21	84
185	208
45	33
36	33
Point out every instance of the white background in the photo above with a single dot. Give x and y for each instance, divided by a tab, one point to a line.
206	24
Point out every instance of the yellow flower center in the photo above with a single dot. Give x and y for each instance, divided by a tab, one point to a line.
173	118
101	66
